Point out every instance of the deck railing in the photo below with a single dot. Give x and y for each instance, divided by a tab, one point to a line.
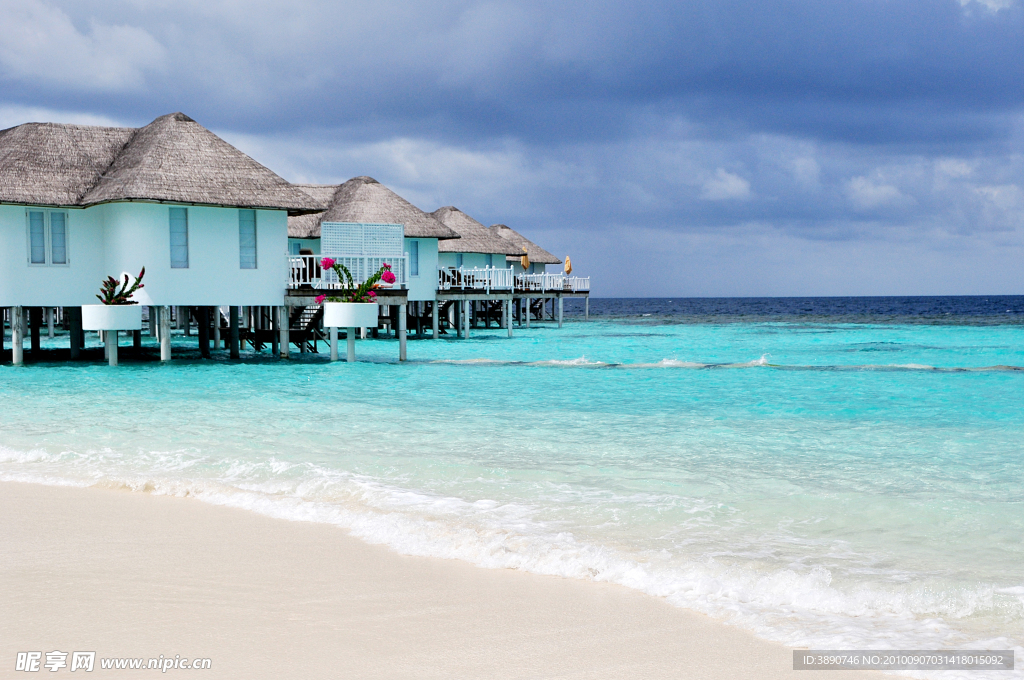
305	270
544	282
475	278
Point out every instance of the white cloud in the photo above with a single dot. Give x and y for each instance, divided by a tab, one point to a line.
992	6
40	44
865	194
953	167
16	115
725	186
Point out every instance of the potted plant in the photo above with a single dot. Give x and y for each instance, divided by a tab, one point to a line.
354	306
119	312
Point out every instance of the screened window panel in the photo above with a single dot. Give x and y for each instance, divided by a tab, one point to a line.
414	258
247	239
58	238
179	238
37	237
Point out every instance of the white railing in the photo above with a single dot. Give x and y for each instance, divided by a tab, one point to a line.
305	270
545	282
475	278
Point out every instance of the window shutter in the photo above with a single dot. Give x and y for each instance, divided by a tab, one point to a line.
37	237
414	258
179	238
58	238
247	239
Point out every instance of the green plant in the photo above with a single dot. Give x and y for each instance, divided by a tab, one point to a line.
110	294
350	292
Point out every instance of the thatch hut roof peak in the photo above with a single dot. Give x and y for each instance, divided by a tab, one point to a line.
536	254
365	200
475	237
173	160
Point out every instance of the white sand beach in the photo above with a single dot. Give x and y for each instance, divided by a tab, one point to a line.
136	575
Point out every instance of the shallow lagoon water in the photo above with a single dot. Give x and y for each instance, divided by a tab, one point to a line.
822	483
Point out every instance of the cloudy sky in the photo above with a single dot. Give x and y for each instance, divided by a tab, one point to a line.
725	147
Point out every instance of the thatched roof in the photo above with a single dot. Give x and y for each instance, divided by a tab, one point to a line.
173	160
365	200
308	226
537	254
475	237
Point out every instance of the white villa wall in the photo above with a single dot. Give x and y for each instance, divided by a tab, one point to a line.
470	260
39	285
424	286
116	237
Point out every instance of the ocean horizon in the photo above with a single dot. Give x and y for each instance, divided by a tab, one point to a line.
834	472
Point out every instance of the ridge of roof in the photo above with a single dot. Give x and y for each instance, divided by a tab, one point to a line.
173	160
475	237
534	251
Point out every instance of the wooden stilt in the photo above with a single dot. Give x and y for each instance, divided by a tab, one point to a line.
203	323
165	333
35	320
75	338
402	332
275	329
233	337
286	343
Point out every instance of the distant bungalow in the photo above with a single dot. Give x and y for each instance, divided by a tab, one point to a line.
213	226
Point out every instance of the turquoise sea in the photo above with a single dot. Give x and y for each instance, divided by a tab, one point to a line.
822	479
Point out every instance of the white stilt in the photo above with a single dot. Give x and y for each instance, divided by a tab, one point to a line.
401	332
586	308
49	321
508	316
165	333
334	343
527	301
435	322
350	334
286	315
559	311
17	336
110	341
154	313
216	327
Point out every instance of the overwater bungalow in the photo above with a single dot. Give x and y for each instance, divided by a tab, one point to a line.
231	250
79	203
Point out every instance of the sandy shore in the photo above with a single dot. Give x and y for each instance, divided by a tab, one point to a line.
133	575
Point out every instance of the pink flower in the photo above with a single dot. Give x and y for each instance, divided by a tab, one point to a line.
387	277
371	294
320	299
327	263
386	266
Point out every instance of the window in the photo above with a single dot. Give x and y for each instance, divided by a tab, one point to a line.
179	238
247	239
414	258
47	237
294	248
458	260
490	259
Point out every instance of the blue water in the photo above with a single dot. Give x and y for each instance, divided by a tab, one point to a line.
841	473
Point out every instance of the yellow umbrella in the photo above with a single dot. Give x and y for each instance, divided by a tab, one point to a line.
568	265
525	260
